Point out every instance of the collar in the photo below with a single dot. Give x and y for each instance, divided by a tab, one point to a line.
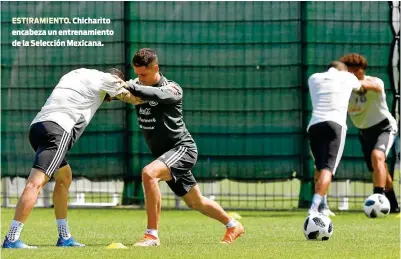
161	81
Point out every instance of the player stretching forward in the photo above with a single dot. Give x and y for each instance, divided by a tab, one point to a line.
55	129
377	127
161	121
330	92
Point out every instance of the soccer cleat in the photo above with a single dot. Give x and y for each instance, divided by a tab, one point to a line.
148	240
16	244
233	233
327	212
71	242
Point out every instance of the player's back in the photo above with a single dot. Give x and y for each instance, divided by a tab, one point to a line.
75	99
330	92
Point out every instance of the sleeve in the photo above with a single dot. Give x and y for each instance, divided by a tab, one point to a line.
311	80
353	81
168	94
379	82
112	85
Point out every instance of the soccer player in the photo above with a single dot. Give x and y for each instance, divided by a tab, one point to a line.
54	130
377	127
161	120
330	92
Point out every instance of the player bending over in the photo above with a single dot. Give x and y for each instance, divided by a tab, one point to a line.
330	92
377	127
55	129
161	121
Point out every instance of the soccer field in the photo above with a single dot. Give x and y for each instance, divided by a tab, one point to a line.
188	234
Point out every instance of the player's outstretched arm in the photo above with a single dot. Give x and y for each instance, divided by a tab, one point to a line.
169	94
372	85
127	97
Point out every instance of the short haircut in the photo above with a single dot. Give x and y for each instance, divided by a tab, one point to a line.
338	65
144	57
355	60
116	72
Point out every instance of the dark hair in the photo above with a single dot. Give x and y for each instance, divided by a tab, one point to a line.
354	60
144	57
116	72
337	65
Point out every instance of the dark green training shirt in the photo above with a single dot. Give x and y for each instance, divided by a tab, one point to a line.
160	117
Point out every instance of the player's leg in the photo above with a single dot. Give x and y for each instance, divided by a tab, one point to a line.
63	179
318	145
34	184
382	145
151	175
195	200
50	144
330	153
184	185
390	194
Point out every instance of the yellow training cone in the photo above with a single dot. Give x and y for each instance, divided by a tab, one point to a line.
234	215
116	246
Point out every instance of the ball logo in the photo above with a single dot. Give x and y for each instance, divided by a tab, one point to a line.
153	103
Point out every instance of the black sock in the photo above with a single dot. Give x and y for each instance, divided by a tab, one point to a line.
378	190
391	198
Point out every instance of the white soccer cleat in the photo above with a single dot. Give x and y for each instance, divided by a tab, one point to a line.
327	212
148	240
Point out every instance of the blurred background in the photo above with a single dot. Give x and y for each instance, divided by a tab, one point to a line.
243	67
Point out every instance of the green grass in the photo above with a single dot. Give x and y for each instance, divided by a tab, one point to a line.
188	234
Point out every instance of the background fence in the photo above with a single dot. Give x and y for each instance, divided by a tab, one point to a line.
243	67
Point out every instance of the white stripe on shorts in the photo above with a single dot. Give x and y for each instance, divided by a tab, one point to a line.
59	154
340	149
390	143
176	156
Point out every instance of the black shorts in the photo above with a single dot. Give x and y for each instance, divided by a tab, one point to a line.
380	136
180	161
327	141
51	143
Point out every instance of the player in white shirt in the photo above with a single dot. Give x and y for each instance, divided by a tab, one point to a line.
330	92
59	124
377	127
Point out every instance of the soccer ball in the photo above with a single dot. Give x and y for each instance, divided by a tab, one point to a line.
318	227
376	206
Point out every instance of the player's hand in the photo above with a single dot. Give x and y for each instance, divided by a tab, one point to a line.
133	82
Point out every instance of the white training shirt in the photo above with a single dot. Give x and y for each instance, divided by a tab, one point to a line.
330	92
77	96
370	108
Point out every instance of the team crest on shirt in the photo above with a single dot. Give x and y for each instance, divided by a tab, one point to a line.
153	103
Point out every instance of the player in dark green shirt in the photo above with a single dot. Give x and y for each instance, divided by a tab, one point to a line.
160	118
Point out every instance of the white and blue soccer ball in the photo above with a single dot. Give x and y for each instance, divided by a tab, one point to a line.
318	227
376	206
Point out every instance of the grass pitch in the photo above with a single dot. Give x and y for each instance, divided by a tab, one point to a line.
188	234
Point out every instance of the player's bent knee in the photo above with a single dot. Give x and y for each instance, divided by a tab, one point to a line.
148	173
34	184
378	157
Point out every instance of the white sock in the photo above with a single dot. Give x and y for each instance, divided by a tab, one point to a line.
231	224
62	227
317	199
152	232
15	231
